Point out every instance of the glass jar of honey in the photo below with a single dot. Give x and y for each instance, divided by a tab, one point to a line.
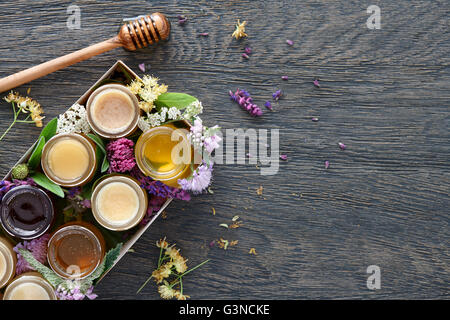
164	153
29	286
75	250
69	159
113	111
26	212
8	261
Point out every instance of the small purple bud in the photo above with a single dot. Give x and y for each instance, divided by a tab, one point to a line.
283	157
268	105
182	21
204	34
327	164
276	95
248	50
244	55
316	83
290	42
142	67
284	77
315	119
342	146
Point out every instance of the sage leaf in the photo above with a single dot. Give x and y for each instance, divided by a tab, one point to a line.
105	165
98	141
35	157
46	272
174	99
46	183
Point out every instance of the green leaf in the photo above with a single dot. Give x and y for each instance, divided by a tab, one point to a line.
112	256
44	182
50	129
174	99
105	165
35	157
98	141
46	272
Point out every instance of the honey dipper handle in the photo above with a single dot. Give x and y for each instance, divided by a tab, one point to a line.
45	68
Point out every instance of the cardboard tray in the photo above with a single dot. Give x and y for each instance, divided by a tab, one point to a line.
122	70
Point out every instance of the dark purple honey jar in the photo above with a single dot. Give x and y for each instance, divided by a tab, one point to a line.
26	212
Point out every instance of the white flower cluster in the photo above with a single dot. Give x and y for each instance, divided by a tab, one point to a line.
73	120
192	110
156	119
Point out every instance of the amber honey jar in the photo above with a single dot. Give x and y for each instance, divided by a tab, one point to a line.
75	250
165	154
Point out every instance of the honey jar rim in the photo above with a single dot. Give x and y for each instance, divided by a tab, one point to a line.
35	278
134	123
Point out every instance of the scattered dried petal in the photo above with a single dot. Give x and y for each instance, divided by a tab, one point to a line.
235	218
316	83
142	67
283	157
235	225
223	225
277	95
315	119
259	191
268	105
212	243
244	55
290	42
248	50
284	77
342	146
327	164
213	211
204	34
252	251
239	32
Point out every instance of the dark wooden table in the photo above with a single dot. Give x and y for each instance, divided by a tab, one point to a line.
384	93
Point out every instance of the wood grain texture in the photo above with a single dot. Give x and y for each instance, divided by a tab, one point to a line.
384	93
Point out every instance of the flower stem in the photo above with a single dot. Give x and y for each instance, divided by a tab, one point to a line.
197	266
7	130
145	283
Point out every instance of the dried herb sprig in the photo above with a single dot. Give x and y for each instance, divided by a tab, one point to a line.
171	269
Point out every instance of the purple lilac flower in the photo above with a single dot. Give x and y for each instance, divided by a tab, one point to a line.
244	99
199	181
268	105
157	188
277	95
6	185
120	155
38	247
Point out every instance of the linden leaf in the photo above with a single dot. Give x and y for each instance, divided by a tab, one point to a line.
174	99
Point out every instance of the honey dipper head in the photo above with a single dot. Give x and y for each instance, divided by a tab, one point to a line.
144	30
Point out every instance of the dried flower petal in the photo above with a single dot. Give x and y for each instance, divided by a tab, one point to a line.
244	55
239	32
316	83
342	146
252	251
290	42
259	191
277	95
283	157
327	164
204	34
142	67
284	77
268	105
315	119
248	50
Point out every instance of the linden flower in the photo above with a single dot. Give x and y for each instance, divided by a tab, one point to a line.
26	104
180	296
180	265
165	291
163	272
240	30
162	243
173	253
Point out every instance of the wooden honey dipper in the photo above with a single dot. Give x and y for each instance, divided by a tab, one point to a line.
135	34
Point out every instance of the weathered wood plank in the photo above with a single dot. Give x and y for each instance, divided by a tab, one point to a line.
384	93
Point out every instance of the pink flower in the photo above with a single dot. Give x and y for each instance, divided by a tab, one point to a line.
38	247
211	143
200	180
120	155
